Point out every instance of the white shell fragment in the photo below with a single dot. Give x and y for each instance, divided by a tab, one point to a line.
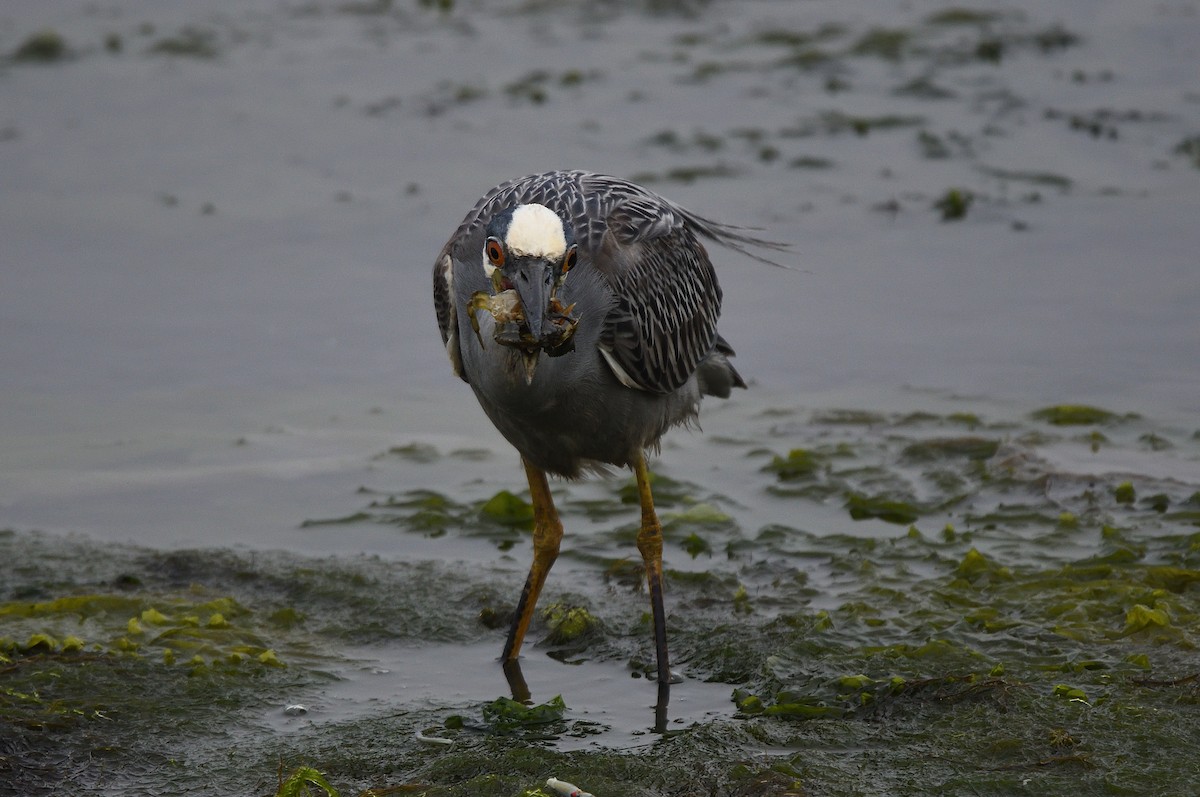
567	789
421	737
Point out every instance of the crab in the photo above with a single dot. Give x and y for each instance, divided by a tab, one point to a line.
558	328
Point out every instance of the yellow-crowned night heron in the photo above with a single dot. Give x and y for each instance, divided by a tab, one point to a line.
582	309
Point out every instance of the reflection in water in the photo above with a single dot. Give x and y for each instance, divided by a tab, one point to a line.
521	693
516	681
660	707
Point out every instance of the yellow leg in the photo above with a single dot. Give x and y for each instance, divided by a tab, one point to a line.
547	535
649	541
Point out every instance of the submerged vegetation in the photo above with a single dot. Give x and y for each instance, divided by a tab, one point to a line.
42	47
949	608
911	69
895	602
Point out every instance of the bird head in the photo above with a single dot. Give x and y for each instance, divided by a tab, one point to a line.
529	251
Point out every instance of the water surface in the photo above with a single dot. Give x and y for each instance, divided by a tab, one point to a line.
220	379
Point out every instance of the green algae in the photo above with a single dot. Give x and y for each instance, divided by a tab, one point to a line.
1075	415
835	122
849	417
884	508
535	87
798	464
505	715
1124	493
962	16
1022	621
42	47
862	678
1044	179
972	448
568	624
925	89
415	452
688	174
199	635
887	43
932	146
499	517
954	204
1189	148
509	509
298	782
810	162
189	42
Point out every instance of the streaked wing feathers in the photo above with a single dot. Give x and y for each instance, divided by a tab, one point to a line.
663	322
447	315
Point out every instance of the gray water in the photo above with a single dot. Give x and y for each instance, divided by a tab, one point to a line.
218	220
204	250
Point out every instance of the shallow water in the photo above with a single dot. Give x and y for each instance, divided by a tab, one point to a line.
617	708
215	334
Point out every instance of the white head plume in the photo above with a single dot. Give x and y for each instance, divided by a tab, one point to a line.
536	230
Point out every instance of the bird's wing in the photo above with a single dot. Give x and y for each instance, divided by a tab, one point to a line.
447	315
663	321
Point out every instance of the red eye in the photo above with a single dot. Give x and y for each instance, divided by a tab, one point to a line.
569	260
495	252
